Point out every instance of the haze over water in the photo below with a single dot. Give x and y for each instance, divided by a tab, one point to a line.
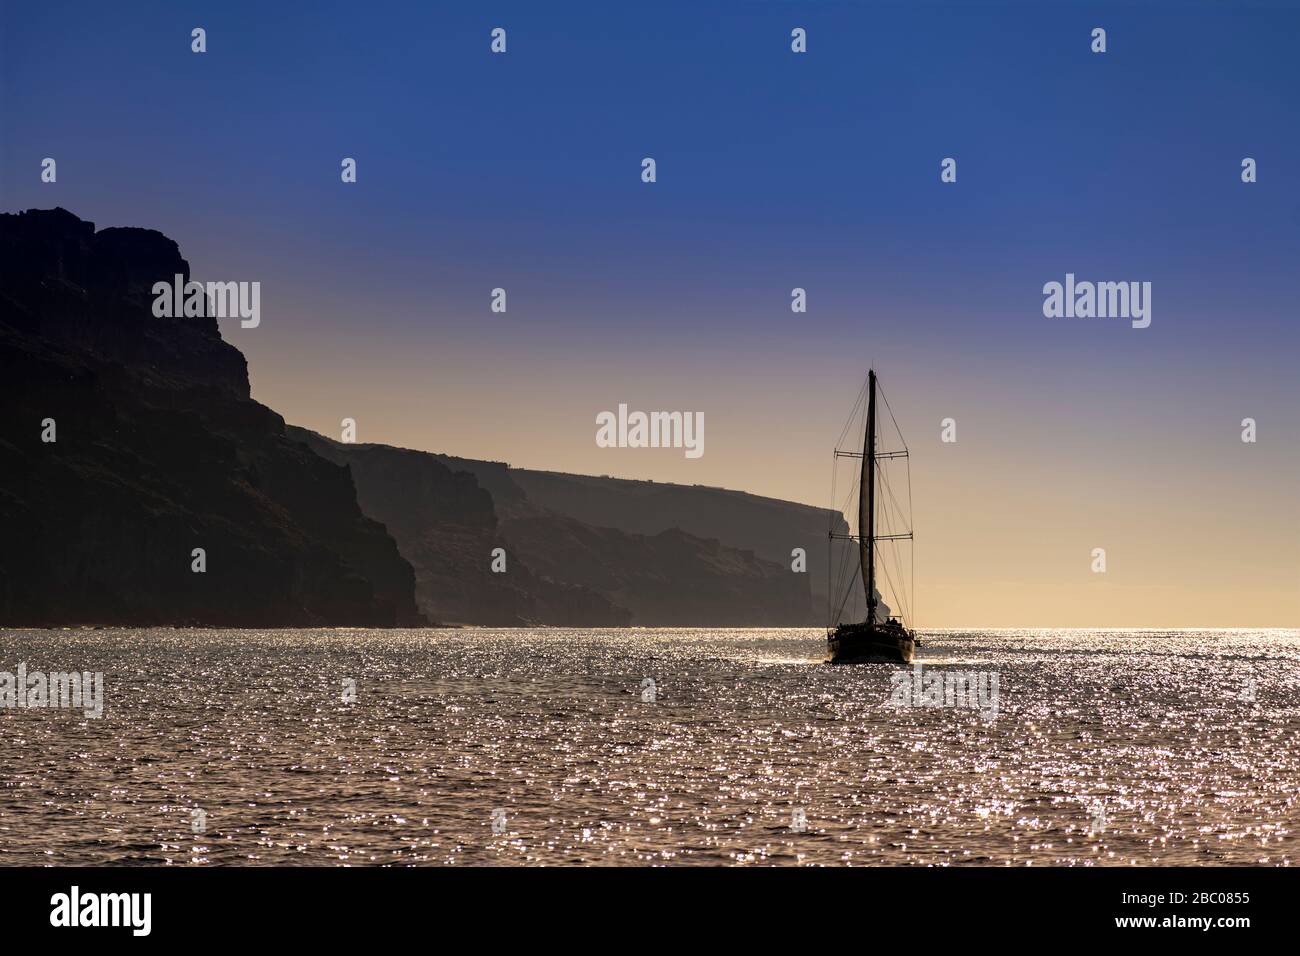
1159	728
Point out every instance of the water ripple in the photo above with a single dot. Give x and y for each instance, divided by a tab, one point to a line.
1108	747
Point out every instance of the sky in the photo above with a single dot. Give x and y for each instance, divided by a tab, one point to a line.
775	170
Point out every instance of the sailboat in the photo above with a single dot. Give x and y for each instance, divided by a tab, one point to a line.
882	636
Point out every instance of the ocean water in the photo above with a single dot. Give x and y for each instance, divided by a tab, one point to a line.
527	747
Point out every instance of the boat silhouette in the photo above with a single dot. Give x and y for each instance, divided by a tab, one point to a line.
881	636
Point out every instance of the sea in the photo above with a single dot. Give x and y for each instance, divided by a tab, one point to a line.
649	747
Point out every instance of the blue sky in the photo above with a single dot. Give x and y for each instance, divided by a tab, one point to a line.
775	170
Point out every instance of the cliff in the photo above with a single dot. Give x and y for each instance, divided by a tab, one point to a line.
768	527
447	514
446	525
158	450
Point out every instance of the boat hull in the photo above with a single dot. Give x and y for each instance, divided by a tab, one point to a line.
855	643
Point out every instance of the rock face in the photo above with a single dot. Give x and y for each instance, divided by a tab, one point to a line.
159	450
447	515
446	525
768	527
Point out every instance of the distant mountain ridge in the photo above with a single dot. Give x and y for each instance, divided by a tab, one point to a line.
447	526
770	527
672	573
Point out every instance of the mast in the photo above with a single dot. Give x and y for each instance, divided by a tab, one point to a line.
867	501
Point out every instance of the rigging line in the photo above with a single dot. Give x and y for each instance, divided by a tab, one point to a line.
848	500
893	589
900	594
912	519
841	578
847	510
853	415
847	589
885	572
891	415
830	546
898	511
888	489
898	507
893	584
903	598
845	600
882	479
849	495
845	584
844	509
903	609
848	559
896	580
884	482
905	605
842	573
843	581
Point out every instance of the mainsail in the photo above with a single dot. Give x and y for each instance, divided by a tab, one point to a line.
867	501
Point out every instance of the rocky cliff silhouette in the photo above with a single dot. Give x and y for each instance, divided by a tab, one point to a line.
769	527
447	515
159	450
446	525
